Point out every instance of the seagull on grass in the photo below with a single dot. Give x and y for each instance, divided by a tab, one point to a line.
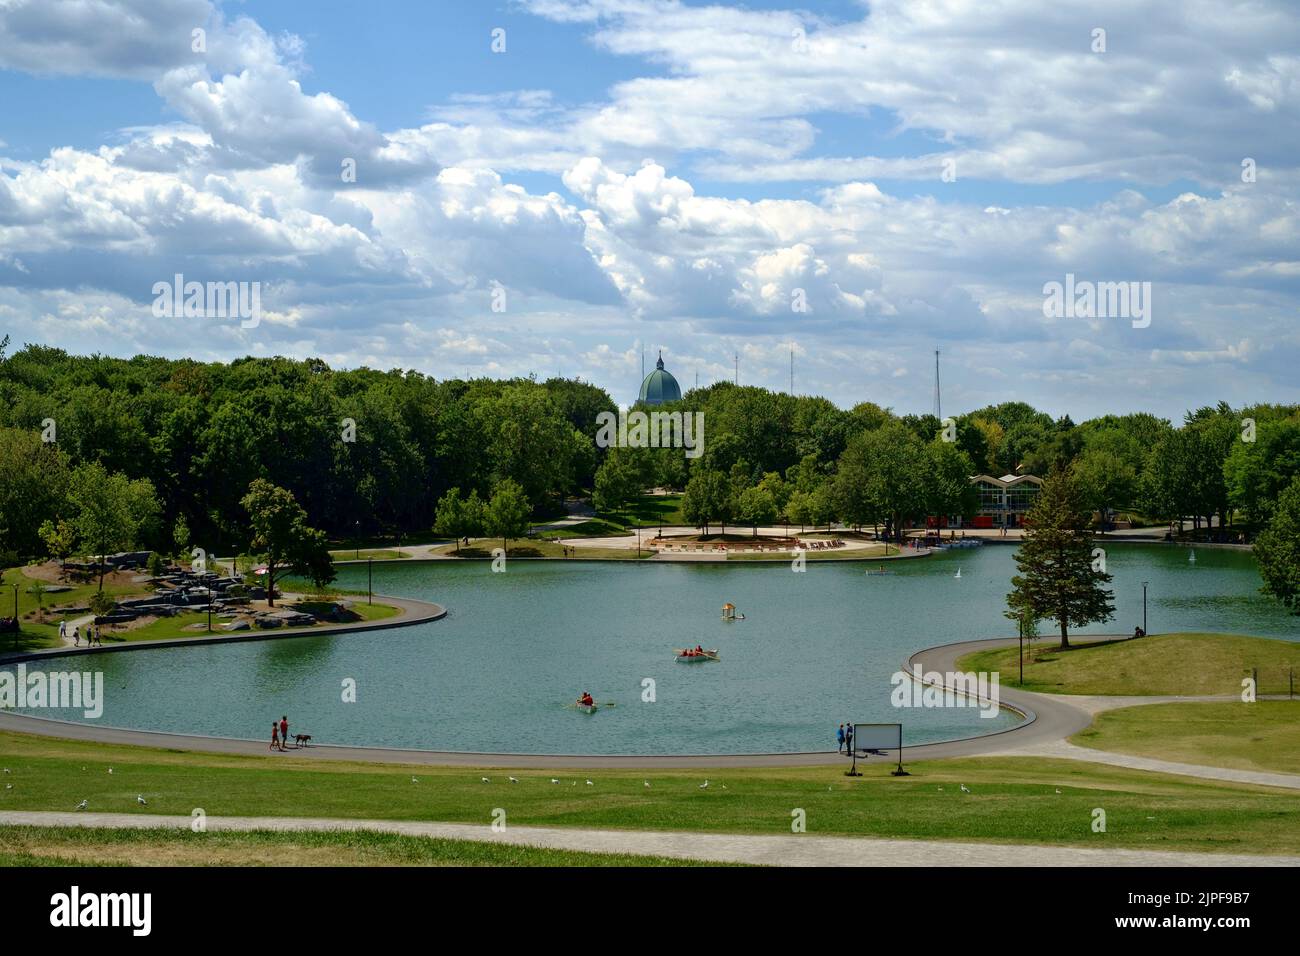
485	779
6	770
646	784
590	784
704	785
110	769
83	804
965	789
9	786
139	798
514	779
415	780
553	780
1058	789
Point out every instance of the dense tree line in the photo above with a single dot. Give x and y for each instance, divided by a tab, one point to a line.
369	452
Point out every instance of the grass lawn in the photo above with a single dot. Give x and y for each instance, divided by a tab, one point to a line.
1013	800
1159	664
1260	736
34	635
648	511
104	846
538	548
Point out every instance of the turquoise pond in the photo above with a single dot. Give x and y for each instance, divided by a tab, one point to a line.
816	649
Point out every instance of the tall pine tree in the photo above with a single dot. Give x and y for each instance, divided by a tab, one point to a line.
1059	577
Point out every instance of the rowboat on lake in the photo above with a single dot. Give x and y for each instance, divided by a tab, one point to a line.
689	656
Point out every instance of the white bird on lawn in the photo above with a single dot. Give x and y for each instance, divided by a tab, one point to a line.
1058	789
83	804
6	769
704	785
590	784
646	784
139	798
485	779
514	779
965	789
553	780
110	769
9	786
414	780
941	789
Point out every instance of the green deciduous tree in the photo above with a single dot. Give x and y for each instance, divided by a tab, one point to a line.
506	514
459	517
1277	549
282	536
110	510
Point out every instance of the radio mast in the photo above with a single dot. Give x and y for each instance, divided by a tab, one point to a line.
938	405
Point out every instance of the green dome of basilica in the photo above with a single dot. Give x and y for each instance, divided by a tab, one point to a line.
659	386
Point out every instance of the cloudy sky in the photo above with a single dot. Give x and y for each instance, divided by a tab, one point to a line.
653	174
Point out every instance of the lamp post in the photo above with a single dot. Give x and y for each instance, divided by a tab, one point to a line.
1144	608
358	541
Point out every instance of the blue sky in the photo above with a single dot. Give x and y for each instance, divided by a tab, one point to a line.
644	174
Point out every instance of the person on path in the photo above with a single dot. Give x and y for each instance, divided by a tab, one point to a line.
848	737
63	630
284	730
839	738
275	737
76	636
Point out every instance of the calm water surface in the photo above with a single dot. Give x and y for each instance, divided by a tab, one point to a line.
816	649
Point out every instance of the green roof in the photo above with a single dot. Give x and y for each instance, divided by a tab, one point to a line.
659	386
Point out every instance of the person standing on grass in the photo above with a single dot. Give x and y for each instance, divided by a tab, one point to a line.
275	737
284	730
839	738
848	737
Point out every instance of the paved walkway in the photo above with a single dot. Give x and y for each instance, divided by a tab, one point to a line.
792	850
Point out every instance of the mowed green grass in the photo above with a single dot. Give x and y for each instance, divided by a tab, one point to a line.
1264	735
35	635
1013	800
1187	664
105	846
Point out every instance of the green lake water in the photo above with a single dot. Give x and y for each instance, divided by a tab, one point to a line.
816	649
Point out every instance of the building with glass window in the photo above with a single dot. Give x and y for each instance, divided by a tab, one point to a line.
1004	501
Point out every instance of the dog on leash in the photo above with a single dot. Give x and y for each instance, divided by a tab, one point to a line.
301	739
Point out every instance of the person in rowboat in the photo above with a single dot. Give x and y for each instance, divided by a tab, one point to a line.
585	700
699	649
